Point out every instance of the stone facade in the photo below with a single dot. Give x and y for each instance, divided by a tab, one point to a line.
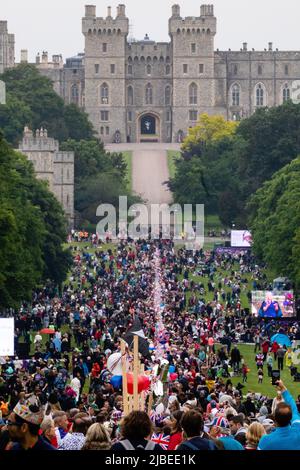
7	47
148	91
167	85
56	167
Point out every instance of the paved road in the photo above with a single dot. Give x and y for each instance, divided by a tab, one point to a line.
149	172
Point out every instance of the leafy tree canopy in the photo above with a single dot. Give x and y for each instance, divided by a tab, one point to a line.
32	101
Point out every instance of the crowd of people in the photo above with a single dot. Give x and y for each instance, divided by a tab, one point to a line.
63	396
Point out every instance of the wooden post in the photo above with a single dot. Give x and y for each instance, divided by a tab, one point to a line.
124	377
136	370
150	403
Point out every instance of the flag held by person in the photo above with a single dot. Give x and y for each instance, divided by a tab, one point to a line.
136	329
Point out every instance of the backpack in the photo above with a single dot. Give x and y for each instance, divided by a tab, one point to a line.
128	446
191	446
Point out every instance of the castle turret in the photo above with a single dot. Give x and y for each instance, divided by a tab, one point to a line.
105	56
175	11
193	66
24	56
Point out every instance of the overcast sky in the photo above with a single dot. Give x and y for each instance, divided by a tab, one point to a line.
55	25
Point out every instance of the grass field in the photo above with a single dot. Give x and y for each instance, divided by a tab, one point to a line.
172	156
128	159
266	388
247	351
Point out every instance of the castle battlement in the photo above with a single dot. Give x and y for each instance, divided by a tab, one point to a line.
3	27
38	142
205	24
97	26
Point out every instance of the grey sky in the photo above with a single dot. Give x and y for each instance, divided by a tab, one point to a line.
55	25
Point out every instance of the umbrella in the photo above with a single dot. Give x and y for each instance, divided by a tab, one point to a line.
47	331
281	339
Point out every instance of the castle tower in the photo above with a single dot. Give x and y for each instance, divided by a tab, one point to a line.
7	48
51	165
192	41
105	53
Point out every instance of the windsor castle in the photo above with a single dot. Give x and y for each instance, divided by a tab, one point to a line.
146	91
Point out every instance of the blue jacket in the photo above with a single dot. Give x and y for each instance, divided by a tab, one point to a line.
230	443
287	438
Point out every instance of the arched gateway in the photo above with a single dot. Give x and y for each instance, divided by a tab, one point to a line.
149	128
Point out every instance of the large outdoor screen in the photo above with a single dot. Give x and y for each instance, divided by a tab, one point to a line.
267	304
7	330
241	238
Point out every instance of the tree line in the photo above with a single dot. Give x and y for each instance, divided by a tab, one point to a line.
248	174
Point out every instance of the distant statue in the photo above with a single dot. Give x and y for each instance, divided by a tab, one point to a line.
117	137
180	136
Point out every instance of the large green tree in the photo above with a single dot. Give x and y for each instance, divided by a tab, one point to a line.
32	230
100	178
32	101
275	221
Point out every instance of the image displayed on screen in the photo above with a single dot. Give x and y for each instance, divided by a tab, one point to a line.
266	304
7	334
241	238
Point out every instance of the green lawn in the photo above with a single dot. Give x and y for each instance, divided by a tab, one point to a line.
128	159
266	388
172	156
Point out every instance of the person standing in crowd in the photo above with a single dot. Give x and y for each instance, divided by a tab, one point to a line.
286	435
280	357
192	424
253	435
24	428
220	430
260	374
75	439
269	362
237	428
136	431
97	438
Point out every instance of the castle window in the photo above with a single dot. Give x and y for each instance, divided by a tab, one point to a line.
74	94
167	95
168	69
185	68
201	68
193	48
235	69
104	115
129	116
286	93
68	200
112	68
68	174
130	69
104	47
286	69
260	95
149	94
193	92
107	130
130	95
104	94
235	95
259	70
96	68
148	69
101	130
193	115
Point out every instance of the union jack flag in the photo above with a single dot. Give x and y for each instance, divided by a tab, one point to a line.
161	439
